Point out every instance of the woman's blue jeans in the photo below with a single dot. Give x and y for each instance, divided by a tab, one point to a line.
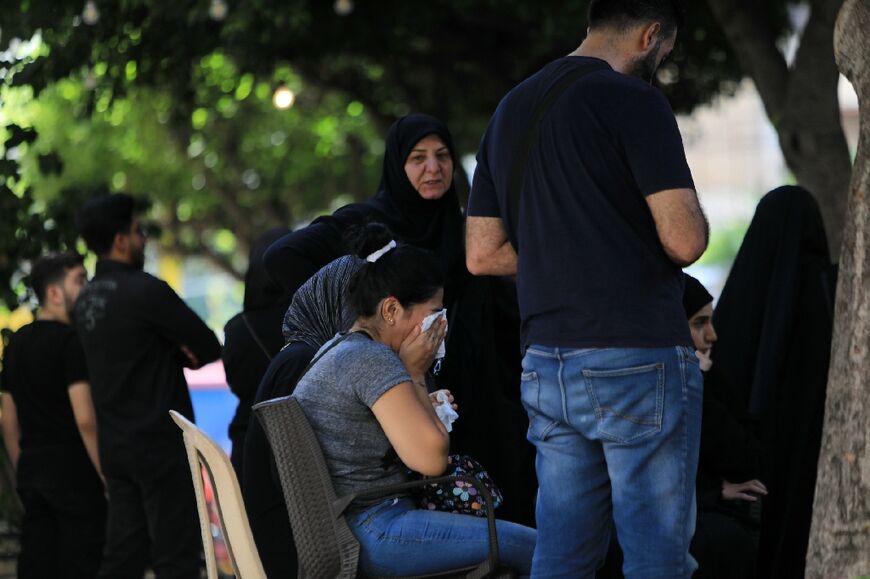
617	433
398	539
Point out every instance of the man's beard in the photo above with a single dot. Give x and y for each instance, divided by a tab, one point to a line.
137	258
644	67
69	304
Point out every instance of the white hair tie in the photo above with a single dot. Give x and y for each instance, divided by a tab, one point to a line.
373	257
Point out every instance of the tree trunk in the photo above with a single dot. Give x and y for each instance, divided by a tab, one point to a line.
840	536
801	102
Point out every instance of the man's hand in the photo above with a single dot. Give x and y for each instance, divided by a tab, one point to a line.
740	491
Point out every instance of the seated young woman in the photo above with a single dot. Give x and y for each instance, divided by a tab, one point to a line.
367	401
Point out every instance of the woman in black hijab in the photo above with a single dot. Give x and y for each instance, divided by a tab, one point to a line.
774	321
433	223
252	338
726	530
482	366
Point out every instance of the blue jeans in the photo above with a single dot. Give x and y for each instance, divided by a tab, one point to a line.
617	432
398	539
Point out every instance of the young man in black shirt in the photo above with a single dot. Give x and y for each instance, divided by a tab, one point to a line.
49	429
606	215
138	335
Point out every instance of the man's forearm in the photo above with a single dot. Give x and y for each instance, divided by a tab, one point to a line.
502	261
89	438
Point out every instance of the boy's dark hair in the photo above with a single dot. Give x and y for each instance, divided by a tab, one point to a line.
623	14
51	269
103	217
409	274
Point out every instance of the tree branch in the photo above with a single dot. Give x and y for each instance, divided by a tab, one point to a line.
221	261
755	46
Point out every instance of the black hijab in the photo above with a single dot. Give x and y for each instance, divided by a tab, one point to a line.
758	309
260	291
431	224
695	295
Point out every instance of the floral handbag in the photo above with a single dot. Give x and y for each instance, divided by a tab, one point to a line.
460	496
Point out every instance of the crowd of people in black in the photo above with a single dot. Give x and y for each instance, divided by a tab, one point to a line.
102	471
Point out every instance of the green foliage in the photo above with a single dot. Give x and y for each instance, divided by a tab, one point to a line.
171	101
725	241
453	58
235	168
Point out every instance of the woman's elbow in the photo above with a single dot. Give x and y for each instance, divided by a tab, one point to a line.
432	466
431	458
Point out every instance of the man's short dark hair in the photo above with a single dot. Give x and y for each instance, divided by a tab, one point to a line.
51	269
623	14
103	217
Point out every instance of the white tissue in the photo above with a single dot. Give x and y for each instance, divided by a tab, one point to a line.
427	323
445	411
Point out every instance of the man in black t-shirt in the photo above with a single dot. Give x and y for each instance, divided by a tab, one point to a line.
49	429
138	335
607	216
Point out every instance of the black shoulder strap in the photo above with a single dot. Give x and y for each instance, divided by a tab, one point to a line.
518	171
256	336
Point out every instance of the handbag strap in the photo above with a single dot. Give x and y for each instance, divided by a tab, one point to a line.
255	336
515	184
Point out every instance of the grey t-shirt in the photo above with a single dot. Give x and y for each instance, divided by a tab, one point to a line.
337	394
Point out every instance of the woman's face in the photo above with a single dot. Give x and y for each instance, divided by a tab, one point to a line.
701	327
429	167
413	316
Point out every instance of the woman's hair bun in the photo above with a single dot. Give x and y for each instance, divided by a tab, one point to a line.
363	240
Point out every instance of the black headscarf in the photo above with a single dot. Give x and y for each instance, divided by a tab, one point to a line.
319	309
695	295
757	310
260	291
432	224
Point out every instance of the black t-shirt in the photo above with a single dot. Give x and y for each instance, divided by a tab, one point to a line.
42	361
132	326
592	271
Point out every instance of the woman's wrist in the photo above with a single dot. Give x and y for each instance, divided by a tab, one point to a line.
419	380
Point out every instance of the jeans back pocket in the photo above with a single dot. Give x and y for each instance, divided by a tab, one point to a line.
628	402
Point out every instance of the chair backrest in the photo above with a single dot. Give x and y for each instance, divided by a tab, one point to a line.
202	451
324	542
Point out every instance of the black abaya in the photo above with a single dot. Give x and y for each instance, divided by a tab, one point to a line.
774	321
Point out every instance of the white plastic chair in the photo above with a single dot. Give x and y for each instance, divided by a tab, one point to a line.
203	452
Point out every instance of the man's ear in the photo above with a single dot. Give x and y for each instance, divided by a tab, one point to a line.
120	243
649	35
54	294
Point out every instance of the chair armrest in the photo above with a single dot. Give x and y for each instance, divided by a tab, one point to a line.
490	564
